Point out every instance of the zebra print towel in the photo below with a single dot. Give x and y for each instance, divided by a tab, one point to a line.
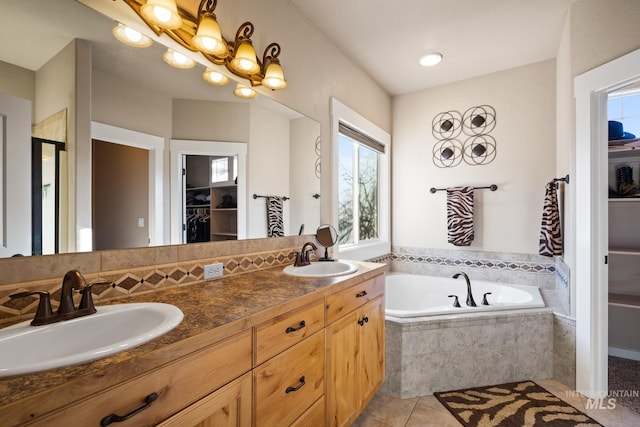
460	215
275	224
550	233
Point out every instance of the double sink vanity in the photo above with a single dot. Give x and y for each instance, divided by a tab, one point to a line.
299	346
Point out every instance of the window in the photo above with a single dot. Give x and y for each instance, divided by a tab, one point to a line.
625	108
361	171
358	176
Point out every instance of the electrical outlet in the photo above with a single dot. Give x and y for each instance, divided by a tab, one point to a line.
212	271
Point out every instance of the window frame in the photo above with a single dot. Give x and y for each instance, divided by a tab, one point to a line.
340	113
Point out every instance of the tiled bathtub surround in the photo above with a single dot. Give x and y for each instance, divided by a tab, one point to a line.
548	274
551	275
448	353
132	272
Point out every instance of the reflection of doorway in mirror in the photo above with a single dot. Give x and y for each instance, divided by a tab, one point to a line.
120	202
46	221
197	188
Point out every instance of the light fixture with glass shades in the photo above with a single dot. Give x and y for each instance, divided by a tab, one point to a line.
242	91
131	37
163	13
178	60
431	59
214	77
202	34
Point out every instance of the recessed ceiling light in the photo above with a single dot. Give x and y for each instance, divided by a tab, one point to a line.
431	59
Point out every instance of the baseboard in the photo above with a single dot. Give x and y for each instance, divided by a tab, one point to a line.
624	353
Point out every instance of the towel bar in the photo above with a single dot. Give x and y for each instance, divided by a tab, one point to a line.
255	196
491	187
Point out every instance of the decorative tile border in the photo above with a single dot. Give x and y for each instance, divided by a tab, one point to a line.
136	281
525	266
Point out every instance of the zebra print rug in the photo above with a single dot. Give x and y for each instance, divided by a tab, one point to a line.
517	404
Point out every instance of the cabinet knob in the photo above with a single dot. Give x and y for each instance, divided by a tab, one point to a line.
361	294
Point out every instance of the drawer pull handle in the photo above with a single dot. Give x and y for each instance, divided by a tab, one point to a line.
113	418
296	388
364	320
361	294
292	329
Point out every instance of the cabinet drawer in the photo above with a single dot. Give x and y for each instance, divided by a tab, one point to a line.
282	332
351	298
229	406
285	386
314	416
177	385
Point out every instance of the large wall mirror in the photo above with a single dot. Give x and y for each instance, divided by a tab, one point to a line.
117	110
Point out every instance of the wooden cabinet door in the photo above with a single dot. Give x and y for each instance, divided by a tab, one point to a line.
370	350
230	406
341	394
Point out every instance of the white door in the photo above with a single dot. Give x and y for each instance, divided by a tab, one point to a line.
15	176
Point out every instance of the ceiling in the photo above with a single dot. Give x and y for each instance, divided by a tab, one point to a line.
387	38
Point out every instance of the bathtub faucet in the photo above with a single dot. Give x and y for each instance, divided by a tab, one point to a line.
470	301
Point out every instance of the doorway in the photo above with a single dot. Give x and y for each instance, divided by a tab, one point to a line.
45	196
119	196
590	279
235	156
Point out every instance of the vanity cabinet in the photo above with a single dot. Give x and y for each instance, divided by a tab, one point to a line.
355	350
313	363
178	385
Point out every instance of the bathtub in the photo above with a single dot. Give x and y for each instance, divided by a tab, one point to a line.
409	295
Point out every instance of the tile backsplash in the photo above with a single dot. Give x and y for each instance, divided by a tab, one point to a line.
135	271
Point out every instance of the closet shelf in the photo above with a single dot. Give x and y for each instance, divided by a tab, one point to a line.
225	234
634	199
623	251
207	206
196	188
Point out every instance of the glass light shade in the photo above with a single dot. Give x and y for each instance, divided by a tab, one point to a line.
163	13
431	59
131	37
208	38
214	77
274	76
245	59
178	60
244	92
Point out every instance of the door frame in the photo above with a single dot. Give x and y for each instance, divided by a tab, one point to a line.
180	147
590	278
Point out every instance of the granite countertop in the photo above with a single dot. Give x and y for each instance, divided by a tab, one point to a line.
230	304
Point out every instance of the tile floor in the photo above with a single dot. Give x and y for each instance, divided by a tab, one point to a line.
385	410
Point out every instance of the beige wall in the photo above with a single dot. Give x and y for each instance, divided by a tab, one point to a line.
18	81
596	32
507	220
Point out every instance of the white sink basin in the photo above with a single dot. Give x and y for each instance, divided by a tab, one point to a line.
322	269
114	328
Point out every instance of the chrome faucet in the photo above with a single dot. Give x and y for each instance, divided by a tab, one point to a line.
73	280
302	257
470	301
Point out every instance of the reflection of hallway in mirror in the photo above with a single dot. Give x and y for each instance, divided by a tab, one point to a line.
119	196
